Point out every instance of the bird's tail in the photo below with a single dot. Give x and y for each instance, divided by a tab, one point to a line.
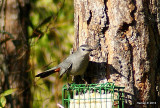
48	72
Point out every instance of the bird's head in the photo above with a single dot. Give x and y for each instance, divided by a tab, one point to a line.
85	49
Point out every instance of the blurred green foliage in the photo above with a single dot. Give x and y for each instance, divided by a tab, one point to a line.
3	97
51	36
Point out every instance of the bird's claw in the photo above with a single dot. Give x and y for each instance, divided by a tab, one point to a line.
68	86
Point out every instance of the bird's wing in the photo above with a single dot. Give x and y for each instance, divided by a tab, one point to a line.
65	66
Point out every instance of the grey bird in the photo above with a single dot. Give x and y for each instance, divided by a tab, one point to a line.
75	64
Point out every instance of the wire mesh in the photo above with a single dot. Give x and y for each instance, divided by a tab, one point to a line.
105	95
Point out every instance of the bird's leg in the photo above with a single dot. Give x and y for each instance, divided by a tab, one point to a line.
72	78
68	85
84	80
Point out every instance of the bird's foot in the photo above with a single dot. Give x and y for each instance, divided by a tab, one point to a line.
68	86
86	83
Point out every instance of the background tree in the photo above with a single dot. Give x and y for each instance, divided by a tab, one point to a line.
42	29
14	52
128	31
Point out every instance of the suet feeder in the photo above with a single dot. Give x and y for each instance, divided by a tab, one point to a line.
105	95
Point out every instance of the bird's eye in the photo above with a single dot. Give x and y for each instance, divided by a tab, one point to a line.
83	49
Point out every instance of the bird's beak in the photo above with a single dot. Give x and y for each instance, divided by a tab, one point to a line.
90	49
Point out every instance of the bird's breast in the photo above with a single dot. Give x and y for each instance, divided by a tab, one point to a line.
79	66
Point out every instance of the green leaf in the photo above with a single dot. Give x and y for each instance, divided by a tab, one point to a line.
2	101
7	92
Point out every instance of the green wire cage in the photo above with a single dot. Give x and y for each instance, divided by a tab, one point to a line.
105	95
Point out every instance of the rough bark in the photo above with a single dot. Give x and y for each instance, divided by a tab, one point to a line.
128	31
14	52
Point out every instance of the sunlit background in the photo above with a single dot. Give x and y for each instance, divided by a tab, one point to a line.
51	37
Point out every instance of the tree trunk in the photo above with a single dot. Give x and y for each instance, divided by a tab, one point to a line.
129	35
14	52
